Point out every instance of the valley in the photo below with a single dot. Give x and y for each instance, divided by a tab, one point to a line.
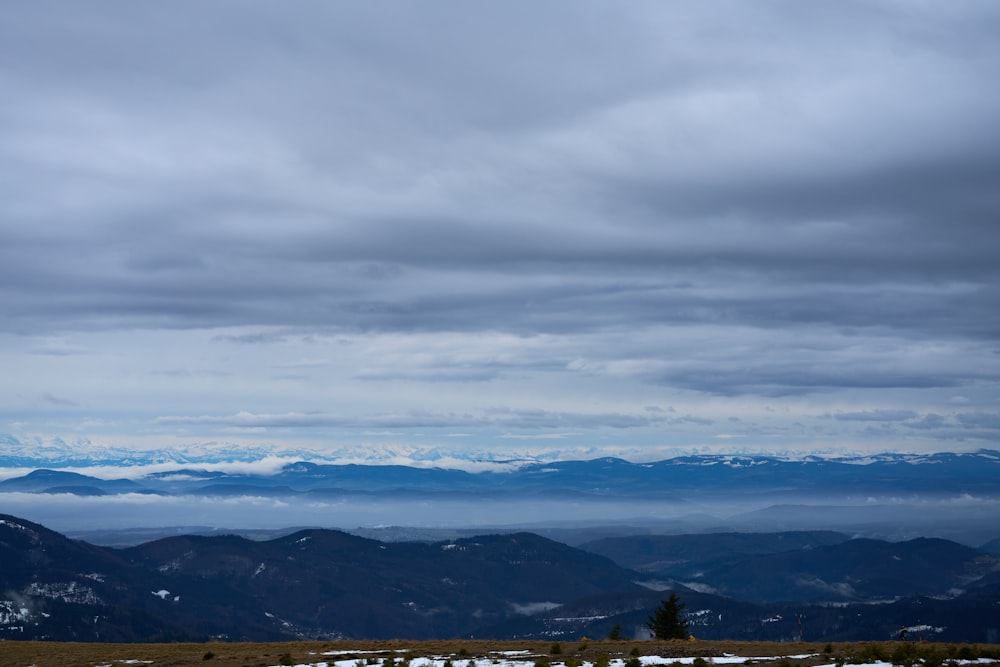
331	585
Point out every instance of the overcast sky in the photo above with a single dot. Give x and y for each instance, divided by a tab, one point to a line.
628	228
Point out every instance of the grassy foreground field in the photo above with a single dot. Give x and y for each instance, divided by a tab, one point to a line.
564	654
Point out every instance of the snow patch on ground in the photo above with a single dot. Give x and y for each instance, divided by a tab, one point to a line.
67	592
12	613
701	616
508	659
913	629
18	527
172	566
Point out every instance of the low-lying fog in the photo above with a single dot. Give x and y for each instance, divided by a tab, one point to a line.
965	519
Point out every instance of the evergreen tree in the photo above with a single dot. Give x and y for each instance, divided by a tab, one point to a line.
667	622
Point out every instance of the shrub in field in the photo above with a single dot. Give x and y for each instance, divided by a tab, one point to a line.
932	657
905	655
870	653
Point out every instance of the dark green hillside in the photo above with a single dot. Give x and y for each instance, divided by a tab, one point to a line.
682	555
858	570
340	584
330	584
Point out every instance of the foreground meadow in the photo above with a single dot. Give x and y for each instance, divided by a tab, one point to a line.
471	653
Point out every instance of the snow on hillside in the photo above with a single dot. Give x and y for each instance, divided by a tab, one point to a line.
19	457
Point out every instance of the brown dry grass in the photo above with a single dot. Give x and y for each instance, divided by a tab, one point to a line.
68	654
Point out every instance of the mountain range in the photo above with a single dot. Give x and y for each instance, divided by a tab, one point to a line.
671	480
889	496
329	584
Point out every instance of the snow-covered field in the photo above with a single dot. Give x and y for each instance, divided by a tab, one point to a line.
527	659
454	654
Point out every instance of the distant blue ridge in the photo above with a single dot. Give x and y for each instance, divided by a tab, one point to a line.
976	473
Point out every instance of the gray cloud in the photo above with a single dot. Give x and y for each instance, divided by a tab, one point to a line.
700	204
877	415
985	420
494	418
931	421
58	401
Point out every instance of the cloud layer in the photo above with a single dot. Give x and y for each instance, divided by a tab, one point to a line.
646	228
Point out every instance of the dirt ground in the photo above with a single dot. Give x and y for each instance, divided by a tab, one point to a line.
67	654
